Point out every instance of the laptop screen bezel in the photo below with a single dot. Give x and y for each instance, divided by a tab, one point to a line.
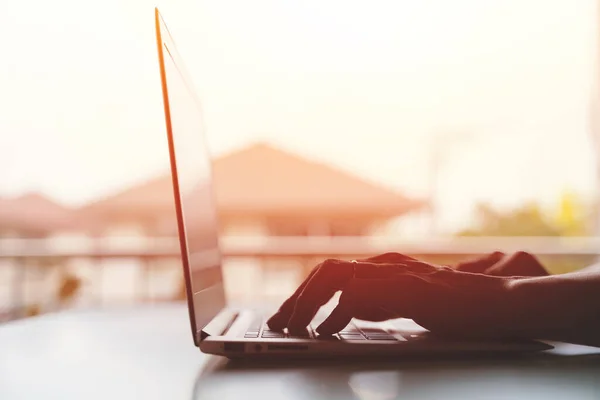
181	227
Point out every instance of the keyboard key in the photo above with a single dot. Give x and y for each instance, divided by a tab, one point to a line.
380	337
326	337
377	333
273	335
349	336
303	331
302	335
372	330
251	335
350	329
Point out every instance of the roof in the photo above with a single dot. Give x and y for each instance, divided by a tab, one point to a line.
34	214
262	179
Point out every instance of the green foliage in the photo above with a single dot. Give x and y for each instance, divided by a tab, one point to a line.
525	221
570	219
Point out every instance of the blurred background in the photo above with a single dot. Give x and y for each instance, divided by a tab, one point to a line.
443	129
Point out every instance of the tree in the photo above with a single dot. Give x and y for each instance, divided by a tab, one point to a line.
570	219
527	220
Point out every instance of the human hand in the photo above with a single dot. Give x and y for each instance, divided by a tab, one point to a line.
392	286
499	264
323	282
521	263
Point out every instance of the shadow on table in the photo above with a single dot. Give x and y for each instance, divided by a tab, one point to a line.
536	375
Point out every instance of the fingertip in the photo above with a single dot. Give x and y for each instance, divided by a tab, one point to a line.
326	330
335	322
303	313
278	321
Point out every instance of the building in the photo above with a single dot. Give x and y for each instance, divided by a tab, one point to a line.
40	280
261	191
35	216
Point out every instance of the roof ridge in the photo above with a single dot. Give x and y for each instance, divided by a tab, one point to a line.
315	161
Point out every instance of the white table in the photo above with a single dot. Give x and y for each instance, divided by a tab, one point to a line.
146	352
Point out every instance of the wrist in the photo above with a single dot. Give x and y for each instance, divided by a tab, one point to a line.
480	304
558	307
497	305
538	306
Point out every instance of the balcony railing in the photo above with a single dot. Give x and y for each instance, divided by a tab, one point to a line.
16	254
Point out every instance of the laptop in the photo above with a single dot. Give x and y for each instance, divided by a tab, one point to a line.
222	329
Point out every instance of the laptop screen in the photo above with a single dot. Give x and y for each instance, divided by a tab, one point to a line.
194	198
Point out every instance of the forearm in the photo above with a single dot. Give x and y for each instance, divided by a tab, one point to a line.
560	307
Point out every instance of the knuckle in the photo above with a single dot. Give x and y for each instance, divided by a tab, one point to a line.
391	255
335	272
395	257
526	257
331	264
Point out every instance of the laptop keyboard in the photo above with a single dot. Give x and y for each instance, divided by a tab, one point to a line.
259	329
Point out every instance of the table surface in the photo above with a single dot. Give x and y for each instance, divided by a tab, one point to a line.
146	352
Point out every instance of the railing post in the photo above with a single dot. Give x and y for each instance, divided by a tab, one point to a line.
18	288
144	286
99	264
100	280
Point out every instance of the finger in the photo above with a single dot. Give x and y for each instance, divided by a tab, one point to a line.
420	268
331	276
374	270
280	319
367	299
341	317
481	264
519	264
329	283
389	258
335	322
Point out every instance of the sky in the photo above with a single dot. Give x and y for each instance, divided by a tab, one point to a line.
500	89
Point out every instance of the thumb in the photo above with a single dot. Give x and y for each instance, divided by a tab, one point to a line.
519	264
480	265
363	299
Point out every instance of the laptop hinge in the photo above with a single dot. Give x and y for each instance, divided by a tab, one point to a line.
202	335
219	325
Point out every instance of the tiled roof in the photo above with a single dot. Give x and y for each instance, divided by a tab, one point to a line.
34	214
262	179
